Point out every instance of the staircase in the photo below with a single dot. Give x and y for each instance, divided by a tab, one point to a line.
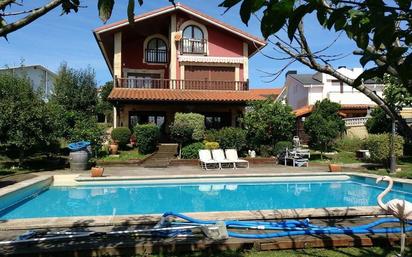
162	157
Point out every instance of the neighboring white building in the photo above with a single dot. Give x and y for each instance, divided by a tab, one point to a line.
41	78
301	90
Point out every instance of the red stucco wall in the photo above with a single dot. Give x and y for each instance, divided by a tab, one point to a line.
222	43
132	55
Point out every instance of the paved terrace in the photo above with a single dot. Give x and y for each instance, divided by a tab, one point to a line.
193	170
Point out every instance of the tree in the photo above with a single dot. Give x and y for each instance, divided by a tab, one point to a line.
26	125
73	105
181	133
324	125
103	105
381	31
397	97
23	18
75	90
268	122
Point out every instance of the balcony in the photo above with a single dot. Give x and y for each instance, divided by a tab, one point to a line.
156	56
150	83
355	122
193	46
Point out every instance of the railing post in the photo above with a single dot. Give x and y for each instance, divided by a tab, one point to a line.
115	81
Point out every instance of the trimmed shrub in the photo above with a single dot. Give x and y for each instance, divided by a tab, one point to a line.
232	138
211	135
349	144
121	135
265	150
211	145
281	146
181	133
147	137
379	147
192	151
195	121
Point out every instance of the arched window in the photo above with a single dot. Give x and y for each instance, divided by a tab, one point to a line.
193	32
156	51
193	40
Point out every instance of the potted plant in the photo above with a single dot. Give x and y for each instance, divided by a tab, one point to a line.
114	147
133	140
97	171
334	167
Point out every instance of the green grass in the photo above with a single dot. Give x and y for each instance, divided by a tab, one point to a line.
404	163
340	157
338	252
124	156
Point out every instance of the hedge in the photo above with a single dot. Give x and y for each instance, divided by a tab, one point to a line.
211	145
195	121
147	137
121	136
379	147
192	151
281	146
232	138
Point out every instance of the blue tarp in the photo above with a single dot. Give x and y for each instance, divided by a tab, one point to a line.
78	146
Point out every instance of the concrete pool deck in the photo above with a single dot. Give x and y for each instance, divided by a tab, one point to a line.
191	170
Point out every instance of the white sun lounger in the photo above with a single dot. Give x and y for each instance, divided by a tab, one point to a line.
231	155
206	161
219	156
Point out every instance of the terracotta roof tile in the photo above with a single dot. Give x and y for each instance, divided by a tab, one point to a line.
309	108
266	91
183	95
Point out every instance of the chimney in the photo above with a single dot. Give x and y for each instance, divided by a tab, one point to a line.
290	72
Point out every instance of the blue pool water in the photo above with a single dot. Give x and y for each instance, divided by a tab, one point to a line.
149	199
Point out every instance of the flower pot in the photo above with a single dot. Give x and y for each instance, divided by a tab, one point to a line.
335	167
97	171
114	148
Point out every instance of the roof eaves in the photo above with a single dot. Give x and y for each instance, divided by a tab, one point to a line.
189	10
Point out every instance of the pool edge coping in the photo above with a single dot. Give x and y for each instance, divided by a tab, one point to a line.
122	220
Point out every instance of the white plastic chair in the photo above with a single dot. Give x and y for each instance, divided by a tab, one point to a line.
205	159
219	156
231	155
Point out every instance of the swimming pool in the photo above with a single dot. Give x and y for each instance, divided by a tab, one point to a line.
203	196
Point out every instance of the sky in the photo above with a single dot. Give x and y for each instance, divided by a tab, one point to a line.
54	38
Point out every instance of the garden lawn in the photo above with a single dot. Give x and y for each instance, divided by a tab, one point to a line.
124	156
343	157
404	163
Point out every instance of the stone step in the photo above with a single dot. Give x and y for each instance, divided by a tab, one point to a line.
162	157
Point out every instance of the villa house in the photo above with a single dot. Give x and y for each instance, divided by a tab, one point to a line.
302	91
176	59
41	78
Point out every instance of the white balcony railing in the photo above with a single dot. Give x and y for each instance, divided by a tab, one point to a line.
355	122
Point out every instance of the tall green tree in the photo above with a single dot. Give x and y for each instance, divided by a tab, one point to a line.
381	30
103	105
75	90
324	125
268	122
397	97
26	124
74	105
